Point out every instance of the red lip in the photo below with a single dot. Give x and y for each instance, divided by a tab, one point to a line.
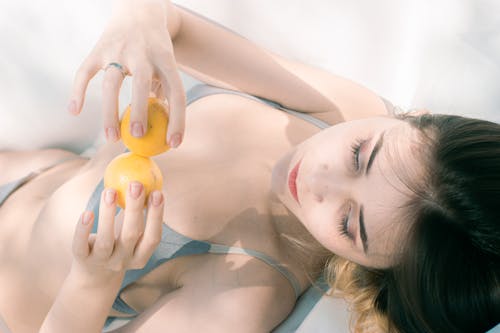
292	185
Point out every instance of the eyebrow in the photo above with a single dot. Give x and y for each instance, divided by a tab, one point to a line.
374	152
362	230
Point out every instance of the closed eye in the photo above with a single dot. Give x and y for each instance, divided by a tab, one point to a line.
343	224
355	149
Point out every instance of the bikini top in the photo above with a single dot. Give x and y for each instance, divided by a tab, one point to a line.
174	244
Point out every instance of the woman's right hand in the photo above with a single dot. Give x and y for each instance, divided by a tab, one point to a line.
100	260
137	38
119	244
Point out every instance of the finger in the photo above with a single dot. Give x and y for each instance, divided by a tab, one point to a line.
112	82
133	222
141	86
84	74
151	237
105	239
81	236
157	89
174	91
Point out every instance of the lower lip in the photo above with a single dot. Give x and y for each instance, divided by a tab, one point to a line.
292	185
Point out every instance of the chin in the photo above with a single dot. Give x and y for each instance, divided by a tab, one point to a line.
279	175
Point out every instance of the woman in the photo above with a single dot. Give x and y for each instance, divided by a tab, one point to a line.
245	190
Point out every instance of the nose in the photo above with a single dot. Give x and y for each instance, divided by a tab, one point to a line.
322	181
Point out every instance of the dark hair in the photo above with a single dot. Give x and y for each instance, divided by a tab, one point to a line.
448	278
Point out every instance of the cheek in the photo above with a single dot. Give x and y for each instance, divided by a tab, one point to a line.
326	232
322	227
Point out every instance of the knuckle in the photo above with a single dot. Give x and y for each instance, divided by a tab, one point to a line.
154	240
118	264
130	237
83	71
109	123
139	263
144	74
78	253
141	81
107	83
151	245
104	246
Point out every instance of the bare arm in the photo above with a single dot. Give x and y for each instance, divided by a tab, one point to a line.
82	305
100	260
216	55
136	38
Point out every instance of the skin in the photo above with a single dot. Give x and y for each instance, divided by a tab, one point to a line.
307	142
49	223
329	185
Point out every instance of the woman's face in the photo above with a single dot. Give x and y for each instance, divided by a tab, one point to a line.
349	186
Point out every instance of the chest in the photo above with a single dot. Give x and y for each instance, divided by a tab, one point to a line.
215	185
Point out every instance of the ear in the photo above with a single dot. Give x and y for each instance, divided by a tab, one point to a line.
418	112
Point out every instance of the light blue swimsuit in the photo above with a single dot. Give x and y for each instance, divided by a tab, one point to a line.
173	244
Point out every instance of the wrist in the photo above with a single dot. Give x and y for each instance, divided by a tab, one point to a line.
95	280
173	19
150	12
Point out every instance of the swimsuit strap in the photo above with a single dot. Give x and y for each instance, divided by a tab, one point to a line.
202	90
224	249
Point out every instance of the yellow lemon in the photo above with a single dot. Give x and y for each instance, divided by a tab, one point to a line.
129	167
154	140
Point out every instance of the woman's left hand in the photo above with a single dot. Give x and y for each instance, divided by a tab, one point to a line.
136	41
116	248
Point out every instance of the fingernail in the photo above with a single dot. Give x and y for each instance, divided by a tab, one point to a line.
156	198
137	129
135	189
175	140
112	134
110	196
86	217
72	107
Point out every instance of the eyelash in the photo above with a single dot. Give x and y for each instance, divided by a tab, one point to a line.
343	224
355	148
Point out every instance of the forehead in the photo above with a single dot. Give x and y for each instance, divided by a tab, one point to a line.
397	168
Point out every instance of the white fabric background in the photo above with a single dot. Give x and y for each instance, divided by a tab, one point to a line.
441	55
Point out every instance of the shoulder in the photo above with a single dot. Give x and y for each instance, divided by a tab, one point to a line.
349	100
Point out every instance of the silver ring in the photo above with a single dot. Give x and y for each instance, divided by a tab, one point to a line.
118	66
